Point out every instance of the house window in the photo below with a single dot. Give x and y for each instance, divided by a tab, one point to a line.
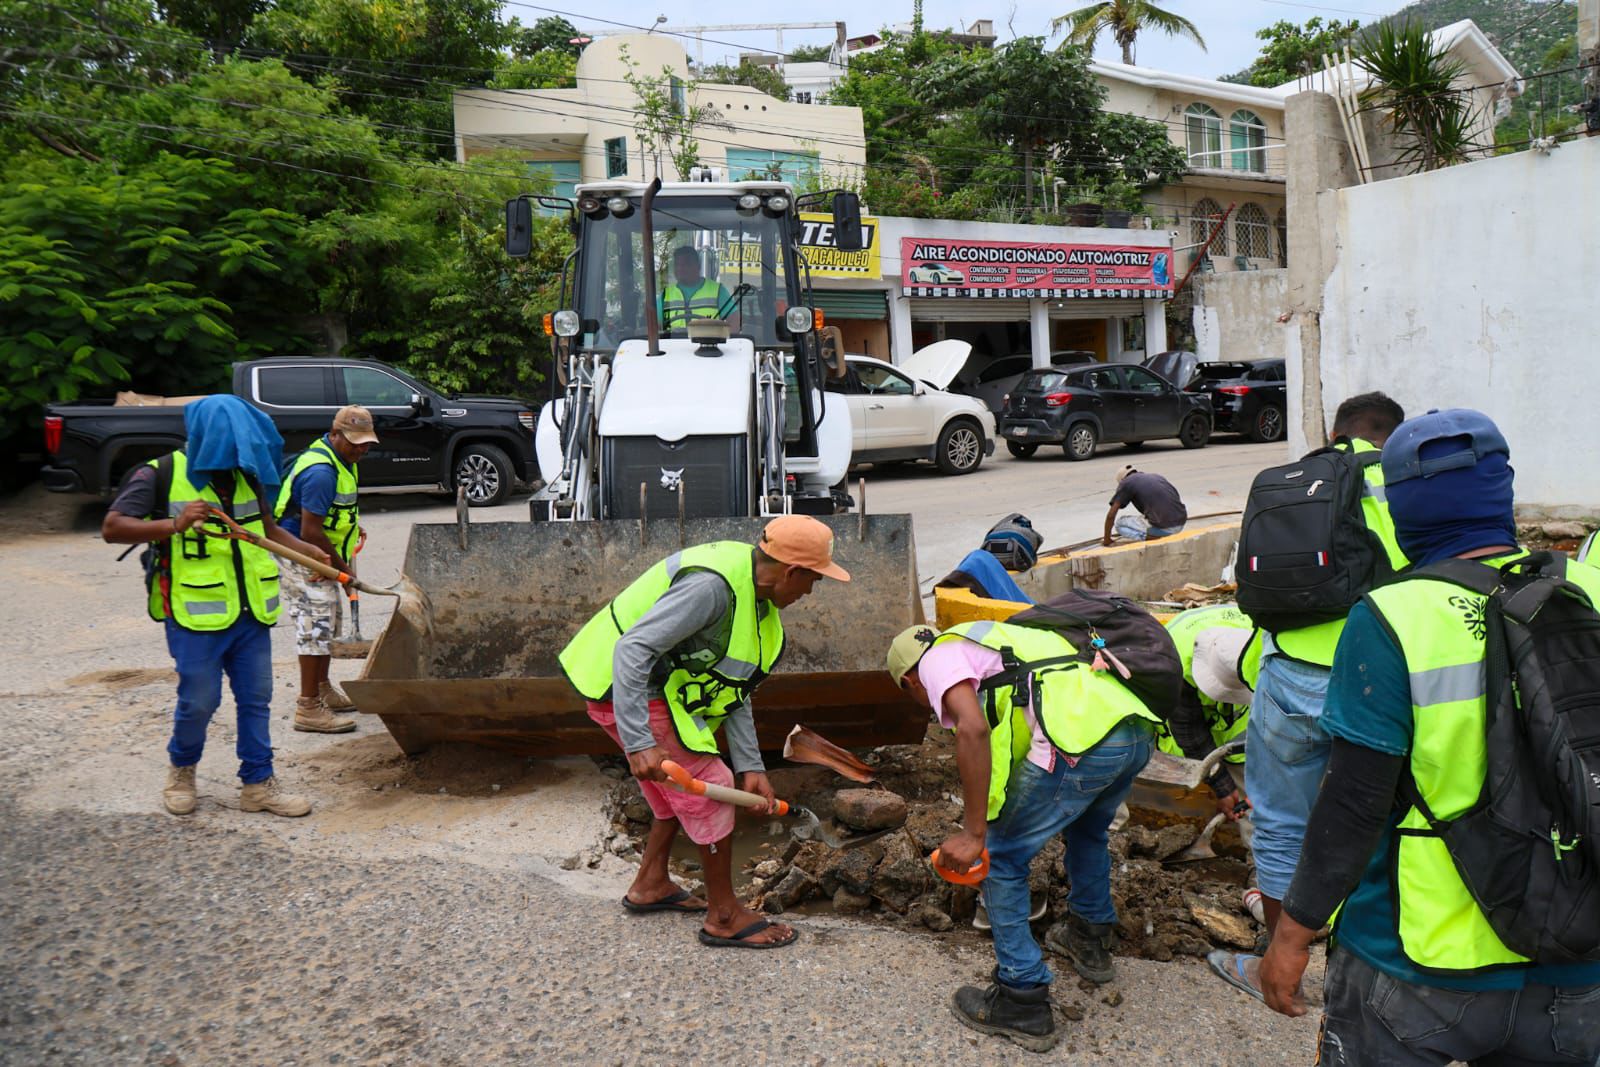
1250	232
764	164
616	157
802	98
679	102
1203	130
1247	136
562	175
1282	226
1202	221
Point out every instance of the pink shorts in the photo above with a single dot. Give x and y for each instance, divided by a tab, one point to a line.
705	821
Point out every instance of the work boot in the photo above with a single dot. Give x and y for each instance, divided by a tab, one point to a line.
1086	944
333	698
313	717
269	796
178	796
1022	1016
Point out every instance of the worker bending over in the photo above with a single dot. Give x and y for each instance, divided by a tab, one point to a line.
1221	654
1161	512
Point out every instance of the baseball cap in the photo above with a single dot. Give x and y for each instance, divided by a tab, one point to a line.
355	422
1216	664
801	541
1125	471
907	649
1472	434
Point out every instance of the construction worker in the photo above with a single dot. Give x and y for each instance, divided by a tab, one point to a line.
1221	653
1416	974
318	504
1160	511
671	658
1288	749
217	596
692	295
1027	774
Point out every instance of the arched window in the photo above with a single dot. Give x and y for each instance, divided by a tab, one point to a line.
1247	137
1282	226
1251	232
1203	129
1202	220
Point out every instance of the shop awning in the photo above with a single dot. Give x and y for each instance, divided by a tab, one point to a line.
852	303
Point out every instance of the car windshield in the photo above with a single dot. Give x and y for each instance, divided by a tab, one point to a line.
1042	381
713	260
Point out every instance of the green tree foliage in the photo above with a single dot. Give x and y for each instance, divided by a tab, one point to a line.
1124	20
1412	89
768	79
667	119
546	69
550	34
1293	51
811	53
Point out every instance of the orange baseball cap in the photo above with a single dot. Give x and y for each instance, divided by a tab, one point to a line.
801	541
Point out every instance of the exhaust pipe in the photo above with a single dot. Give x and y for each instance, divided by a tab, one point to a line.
647	225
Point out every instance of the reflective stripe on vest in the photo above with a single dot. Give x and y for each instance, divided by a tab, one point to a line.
342	523
700	697
703	303
1316	644
1077	707
1438	627
205	567
1224	721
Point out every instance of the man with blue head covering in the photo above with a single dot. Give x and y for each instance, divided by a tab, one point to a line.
1416	974
216	596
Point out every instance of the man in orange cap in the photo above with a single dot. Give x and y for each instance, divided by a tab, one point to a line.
671	658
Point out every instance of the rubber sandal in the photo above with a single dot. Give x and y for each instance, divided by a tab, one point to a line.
672	903
738	940
1228	967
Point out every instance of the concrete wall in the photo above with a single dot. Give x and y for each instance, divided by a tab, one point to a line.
1474	286
1236	314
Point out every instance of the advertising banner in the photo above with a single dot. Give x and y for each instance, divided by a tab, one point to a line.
816	241
1000	269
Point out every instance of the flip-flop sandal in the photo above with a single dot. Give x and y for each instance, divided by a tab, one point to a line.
1229	967
738	940
672	903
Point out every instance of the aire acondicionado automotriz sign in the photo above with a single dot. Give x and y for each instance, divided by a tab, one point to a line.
999	269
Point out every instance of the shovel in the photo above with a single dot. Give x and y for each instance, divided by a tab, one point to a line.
805	745
806	828
1201	849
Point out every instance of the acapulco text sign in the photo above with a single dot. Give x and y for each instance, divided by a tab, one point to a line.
944	267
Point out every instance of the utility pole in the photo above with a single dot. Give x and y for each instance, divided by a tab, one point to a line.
1589	60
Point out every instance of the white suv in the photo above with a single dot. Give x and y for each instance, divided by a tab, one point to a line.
903	413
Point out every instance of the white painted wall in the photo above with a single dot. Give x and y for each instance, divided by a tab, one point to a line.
1236	314
1476	286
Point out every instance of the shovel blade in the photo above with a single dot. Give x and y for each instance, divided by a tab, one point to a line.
805	745
1201	849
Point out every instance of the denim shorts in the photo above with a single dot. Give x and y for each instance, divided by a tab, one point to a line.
1288	753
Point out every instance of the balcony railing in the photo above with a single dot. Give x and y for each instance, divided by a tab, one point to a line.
1260	161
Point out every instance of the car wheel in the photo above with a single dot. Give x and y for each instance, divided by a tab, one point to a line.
1081	440
1195	432
960	448
1020	450
1269	424
485	472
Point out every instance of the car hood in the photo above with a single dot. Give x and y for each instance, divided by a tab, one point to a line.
938	363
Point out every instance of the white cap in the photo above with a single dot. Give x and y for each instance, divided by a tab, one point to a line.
1216	664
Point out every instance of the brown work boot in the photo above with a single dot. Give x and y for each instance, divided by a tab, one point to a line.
178	796
333	698
268	796
313	717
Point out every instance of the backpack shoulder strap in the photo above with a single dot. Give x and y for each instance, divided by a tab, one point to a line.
163	485
1463	572
1369	459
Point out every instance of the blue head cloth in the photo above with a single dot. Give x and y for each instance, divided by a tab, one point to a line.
1448	478
227	434
996	580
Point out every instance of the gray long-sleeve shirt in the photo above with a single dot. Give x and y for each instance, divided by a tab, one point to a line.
693	620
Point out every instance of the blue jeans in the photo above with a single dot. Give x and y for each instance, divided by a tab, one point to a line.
1040	804
1136	528
1288	755
244	652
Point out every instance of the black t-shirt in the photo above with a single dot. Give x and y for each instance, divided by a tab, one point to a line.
1156	498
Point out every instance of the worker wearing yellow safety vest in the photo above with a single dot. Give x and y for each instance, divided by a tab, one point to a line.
1039	751
217	596
1417	974
318	502
671	659
691	295
1288	749
1221	654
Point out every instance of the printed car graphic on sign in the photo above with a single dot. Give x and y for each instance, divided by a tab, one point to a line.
936	274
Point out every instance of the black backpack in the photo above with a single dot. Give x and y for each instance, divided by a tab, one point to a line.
1305	552
1529	849
1119	632
1014	542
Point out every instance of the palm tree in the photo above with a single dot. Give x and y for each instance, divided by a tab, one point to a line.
1124	18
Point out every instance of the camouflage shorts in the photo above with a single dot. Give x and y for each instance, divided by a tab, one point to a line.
315	607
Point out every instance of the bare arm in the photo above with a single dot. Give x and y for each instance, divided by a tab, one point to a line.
312	533
961	707
1111	518
279	535
120	529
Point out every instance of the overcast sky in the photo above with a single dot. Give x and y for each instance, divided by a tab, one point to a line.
1227	25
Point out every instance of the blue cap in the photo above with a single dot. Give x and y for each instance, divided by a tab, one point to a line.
1473	433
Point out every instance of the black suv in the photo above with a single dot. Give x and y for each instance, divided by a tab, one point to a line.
1247	398
1079	407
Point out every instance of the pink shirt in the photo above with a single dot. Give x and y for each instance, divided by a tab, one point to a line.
950	663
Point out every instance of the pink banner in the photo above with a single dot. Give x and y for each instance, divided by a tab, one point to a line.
954	267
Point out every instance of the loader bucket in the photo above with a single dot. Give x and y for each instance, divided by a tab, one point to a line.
506	602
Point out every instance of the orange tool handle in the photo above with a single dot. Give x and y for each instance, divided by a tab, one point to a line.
739	797
971	876
239	533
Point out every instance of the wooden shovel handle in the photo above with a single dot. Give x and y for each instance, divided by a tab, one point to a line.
724	794
240	533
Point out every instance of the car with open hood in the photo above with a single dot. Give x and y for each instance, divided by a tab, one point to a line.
903	413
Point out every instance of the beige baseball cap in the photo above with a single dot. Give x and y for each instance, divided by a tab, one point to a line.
908	648
801	541
355	422
1216	664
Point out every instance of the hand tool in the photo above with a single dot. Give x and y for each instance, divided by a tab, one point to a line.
807	827
804	745
971	876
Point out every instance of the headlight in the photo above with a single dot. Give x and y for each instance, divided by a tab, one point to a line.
619	205
589	205
798	319
778	204
566	323
749	202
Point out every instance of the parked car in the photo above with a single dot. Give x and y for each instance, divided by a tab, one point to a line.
936	274
1082	406
991	382
903	413
1248	398
426	438
1178	367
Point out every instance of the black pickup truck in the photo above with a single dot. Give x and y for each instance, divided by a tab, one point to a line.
426	440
